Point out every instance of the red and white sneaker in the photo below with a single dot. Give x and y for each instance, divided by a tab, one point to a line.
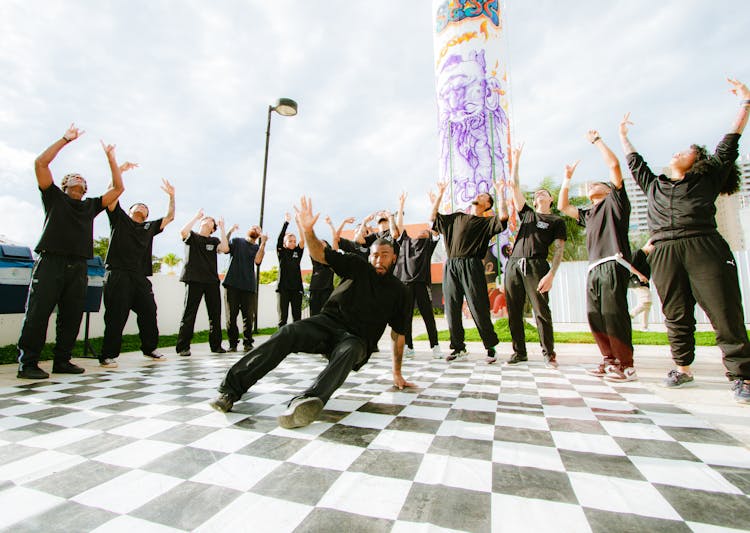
614	374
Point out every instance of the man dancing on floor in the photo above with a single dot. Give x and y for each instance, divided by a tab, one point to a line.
345	332
466	238
59	277
527	272
606	221
126	285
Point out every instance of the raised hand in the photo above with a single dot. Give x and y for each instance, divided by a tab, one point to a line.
739	88
442	185
402	198
592	136
234	228
516	153
72	133
167	187
570	169
109	149
500	188
287	217
127	165
199	214
624	123
305	217
220	223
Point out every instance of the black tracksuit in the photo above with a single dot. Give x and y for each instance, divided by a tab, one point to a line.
413	269
289	289
240	290
526	266
126	285
321	286
201	280
466	240
59	277
606	226
345	332
691	262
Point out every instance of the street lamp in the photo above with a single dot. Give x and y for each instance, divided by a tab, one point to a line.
286	107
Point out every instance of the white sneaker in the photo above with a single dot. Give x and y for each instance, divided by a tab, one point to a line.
108	363
436	353
614	374
408	352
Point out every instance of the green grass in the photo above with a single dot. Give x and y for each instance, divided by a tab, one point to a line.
130	343
702	338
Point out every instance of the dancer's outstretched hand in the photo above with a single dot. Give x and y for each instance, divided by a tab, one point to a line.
305	217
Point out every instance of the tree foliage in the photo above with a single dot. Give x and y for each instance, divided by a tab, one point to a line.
101	245
269	276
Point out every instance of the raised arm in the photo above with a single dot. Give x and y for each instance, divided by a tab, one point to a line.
187	228
392	226
223	243
627	146
515	183
359	233
563	203
41	164
306	221
442	185
741	90
610	159
334	233
116	188
280	240
261	249
169	217
301	240
127	165
234	228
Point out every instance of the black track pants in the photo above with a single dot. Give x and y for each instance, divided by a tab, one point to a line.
464	277
288	299
125	291
239	302
701	269
194	292
522	277
318	334
419	293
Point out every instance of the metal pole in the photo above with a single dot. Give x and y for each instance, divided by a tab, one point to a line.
262	208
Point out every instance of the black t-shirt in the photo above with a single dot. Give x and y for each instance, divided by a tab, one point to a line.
200	259
385	234
241	271
130	242
536	233
322	277
290	275
414	258
345	245
606	226
467	235
364	302
68	224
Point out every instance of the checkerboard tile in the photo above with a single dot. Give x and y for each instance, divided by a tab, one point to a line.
473	447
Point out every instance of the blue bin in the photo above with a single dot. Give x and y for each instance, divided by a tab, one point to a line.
16	264
95	268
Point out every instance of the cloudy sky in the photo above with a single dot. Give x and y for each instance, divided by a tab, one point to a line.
183	87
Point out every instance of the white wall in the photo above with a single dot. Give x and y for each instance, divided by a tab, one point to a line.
169	293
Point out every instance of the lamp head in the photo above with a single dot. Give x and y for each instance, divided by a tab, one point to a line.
286	107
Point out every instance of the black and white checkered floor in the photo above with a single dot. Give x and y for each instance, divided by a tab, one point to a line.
473	448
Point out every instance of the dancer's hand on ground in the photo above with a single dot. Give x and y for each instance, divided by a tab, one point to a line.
305	217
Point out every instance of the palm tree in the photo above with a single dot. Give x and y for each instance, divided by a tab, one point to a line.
171	260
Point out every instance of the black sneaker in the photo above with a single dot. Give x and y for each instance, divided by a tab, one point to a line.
219	350
301	412
517	359
66	367
232	348
457	355
491	356
155	356
223	403
247	347
184	353
676	379
31	372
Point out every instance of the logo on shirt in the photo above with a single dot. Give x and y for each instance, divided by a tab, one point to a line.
147	225
210	247
294	255
541	224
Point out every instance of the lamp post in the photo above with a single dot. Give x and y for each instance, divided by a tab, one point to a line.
286	107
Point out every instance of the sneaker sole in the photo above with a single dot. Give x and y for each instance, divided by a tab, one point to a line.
687	384
514	363
219	408
613	379
303	415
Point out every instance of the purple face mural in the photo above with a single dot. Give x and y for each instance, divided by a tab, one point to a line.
473	126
